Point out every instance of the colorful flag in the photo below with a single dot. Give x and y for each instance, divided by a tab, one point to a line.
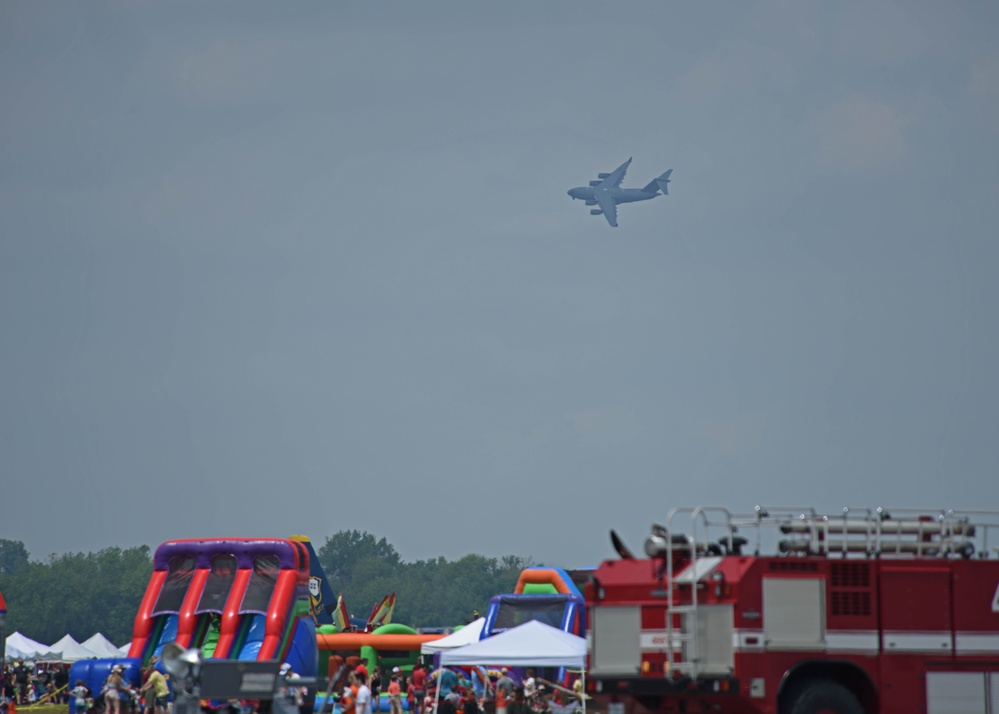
381	613
340	618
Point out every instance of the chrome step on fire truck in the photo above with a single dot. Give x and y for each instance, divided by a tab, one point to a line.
862	612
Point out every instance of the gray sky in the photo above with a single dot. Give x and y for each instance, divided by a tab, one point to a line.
270	269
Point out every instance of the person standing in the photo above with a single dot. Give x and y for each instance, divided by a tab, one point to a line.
375	685
348	702
519	705
395	695
504	691
363	705
80	694
61	680
470	704
21	682
115	686
530	688
419	686
157	684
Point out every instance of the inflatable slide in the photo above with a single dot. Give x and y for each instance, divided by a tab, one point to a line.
243	599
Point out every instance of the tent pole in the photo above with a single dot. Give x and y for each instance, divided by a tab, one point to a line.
437	690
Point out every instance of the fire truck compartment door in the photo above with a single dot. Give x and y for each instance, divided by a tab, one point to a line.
794	613
955	693
915	609
714	639
616	632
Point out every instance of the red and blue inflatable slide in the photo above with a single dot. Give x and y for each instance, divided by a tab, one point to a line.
233	598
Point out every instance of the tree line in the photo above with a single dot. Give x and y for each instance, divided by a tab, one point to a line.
84	593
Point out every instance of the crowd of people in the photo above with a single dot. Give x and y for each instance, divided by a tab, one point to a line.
475	694
24	682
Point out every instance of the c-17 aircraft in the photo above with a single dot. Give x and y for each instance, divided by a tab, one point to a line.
606	192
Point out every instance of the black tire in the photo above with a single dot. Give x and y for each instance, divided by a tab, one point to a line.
822	697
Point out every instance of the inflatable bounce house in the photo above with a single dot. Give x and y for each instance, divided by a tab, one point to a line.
241	599
548	595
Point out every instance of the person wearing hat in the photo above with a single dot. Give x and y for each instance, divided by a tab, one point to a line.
114	687
293	694
504	691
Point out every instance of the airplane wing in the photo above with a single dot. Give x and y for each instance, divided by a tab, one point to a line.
608	206
615	177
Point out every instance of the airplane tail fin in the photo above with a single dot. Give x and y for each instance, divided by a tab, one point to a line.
660	183
320	591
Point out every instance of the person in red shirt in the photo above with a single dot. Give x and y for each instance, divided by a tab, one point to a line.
419	686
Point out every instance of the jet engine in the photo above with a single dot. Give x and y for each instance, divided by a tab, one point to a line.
602	176
595	212
595	183
591	202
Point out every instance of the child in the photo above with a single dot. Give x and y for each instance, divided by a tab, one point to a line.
395	695
80	694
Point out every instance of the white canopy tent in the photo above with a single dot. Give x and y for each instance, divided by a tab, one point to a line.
531	644
21	647
12	653
67	650
102	647
465	636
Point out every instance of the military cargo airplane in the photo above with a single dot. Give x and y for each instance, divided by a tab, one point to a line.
606	192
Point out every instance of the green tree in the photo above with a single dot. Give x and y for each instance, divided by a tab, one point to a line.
78	593
84	593
343	551
13	556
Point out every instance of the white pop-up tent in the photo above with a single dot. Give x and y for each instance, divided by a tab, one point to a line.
465	636
102	647
67	650
533	644
21	647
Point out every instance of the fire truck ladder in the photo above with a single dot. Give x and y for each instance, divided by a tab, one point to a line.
682	640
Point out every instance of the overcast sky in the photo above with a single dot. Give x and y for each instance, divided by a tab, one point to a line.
271	268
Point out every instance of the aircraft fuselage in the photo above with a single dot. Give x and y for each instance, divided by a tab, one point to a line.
618	195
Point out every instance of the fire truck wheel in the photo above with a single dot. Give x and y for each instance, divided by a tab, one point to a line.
822	697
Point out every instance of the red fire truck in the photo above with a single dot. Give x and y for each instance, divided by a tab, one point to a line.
786	611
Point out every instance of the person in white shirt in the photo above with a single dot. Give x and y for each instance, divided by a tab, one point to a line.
363	705
530	687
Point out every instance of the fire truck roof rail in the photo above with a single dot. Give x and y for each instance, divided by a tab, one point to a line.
851	532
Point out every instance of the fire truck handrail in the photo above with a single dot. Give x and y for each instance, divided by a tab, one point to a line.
852	532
